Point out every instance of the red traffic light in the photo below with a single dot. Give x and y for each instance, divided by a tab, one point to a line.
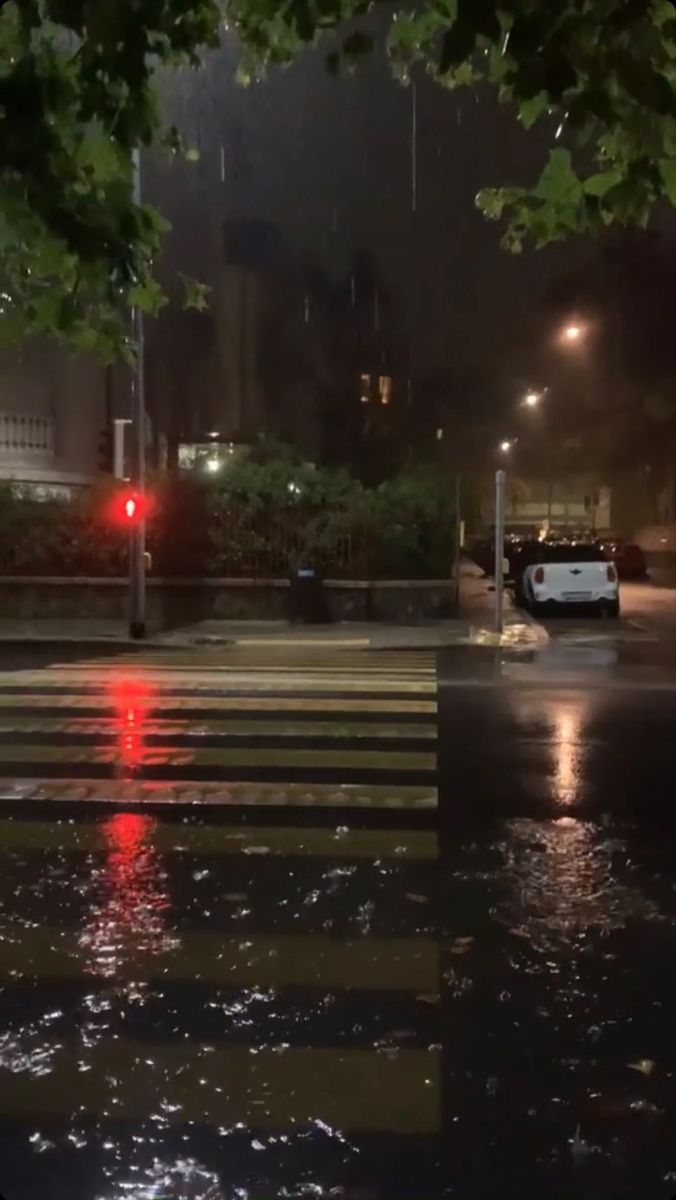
130	508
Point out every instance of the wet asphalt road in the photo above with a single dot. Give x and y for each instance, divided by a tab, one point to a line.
385	942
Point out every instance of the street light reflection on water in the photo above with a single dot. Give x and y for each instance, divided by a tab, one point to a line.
564	884
568	720
563	881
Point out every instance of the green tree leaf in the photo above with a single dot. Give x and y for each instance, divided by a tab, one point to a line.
531	110
668	173
599	184
196	295
558	183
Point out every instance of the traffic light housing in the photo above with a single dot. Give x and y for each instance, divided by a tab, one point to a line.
105	451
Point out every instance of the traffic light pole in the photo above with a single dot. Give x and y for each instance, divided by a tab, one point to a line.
137	536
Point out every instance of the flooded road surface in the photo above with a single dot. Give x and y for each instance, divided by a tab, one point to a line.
267	929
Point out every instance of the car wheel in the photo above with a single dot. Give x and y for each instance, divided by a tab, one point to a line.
611	609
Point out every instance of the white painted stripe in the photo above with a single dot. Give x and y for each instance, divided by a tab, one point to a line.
148	724
157	703
228	757
254	794
257	681
216	841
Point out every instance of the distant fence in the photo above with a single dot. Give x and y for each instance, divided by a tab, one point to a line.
262	544
63	540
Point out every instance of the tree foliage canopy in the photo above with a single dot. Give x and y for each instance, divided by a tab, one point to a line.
76	100
77	97
600	74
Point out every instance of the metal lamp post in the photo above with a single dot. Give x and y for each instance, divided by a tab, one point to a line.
500	479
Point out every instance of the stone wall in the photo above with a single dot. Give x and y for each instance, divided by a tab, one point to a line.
174	602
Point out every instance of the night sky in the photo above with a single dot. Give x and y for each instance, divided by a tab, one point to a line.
329	162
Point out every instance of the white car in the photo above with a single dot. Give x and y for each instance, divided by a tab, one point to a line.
571	574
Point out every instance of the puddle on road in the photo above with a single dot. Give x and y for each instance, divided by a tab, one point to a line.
172	999
184	1017
564	884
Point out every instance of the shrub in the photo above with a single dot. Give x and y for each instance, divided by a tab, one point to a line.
261	520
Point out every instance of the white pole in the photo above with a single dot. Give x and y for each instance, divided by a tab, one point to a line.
500	478
119	426
459	540
137	541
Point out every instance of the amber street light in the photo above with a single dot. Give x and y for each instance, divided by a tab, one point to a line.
573	333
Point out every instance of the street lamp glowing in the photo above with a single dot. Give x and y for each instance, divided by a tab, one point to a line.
213	465
532	399
573	333
505	446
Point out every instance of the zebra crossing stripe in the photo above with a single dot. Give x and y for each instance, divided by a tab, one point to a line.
299	960
252	681
225	728
269	1088
213	841
227	757
166	794
192	706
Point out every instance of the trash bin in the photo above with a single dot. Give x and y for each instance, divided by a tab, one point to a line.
307	599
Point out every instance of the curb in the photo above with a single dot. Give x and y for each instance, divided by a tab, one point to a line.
92	643
520	630
359	643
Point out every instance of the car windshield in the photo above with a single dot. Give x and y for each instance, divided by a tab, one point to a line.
563	552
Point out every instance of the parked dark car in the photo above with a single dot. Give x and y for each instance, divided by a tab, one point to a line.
628	558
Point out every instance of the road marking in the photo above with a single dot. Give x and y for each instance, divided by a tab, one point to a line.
255	757
97	702
250	682
213	841
337	721
386	671
302	960
162	727
219	794
348	1090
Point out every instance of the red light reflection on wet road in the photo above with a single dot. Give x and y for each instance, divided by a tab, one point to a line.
129	913
132	700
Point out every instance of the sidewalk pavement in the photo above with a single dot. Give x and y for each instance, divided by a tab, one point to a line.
67	631
92	632
378	635
473	627
477	607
